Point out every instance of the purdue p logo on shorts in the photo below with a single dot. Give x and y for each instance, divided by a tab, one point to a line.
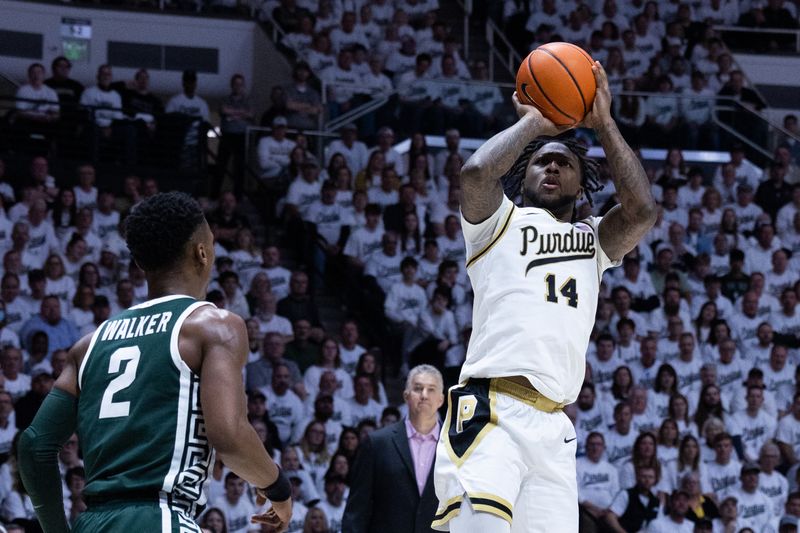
466	410
470	416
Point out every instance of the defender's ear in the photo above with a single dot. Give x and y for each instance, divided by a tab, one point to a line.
201	253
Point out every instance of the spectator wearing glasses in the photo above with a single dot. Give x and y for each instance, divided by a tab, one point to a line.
68	90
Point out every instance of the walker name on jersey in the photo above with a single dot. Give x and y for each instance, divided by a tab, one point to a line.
579	242
129	328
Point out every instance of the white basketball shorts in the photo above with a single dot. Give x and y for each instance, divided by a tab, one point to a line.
510	451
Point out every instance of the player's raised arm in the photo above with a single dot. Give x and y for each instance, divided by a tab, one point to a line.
481	191
626	223
223	339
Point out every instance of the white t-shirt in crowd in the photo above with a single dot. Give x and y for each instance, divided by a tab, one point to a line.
302	194
194	106
237	515
109	104
598	482
47	99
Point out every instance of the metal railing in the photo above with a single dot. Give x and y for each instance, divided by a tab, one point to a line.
466	6
7	85
359	111
267	20
254	133
171	143
762	32
501	49
734	118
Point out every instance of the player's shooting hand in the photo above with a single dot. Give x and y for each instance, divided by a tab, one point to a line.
544	125
601	109
277	517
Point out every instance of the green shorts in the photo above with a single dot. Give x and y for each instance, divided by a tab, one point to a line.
134	516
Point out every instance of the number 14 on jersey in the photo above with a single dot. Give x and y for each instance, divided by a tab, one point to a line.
568	289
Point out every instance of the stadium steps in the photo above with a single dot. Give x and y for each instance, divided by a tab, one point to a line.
479	50
330	308
331	311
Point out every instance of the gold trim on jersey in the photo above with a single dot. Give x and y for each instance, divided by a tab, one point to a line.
458	461
526	395
551	214
495	239
447	511
489	503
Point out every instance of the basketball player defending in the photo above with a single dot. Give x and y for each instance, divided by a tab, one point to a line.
150	393
506	457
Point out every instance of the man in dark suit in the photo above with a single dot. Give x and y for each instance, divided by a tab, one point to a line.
395	214
391	489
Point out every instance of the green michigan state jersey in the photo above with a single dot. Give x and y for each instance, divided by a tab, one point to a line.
140	422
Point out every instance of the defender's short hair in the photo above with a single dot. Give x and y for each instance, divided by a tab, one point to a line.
158	229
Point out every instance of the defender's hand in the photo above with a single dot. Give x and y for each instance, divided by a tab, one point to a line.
276	517
544	126
601	109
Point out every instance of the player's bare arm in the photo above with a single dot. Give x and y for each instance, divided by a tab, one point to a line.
626	223
220	339
481	191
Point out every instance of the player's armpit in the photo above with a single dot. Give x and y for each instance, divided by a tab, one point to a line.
619	233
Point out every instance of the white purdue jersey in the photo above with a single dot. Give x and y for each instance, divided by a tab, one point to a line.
536	281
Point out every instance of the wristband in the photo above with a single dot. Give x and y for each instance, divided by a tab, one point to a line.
280	490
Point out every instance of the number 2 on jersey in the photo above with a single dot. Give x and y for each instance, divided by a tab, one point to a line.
568	289
108	407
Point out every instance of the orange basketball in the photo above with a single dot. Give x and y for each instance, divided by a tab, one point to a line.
557	78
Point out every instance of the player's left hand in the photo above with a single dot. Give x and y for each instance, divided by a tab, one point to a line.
601	109
276	518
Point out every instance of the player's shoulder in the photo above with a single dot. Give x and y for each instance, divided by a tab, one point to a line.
209	314
79	350
212	323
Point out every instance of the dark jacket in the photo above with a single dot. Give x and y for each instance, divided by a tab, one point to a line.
384	496
637	514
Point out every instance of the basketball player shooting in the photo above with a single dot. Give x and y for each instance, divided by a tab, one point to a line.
506	459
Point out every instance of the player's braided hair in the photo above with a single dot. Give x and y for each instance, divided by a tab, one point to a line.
158	228
590	169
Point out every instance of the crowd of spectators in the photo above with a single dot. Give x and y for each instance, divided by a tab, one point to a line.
123	122
670	49
691	370
356	51
404	51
